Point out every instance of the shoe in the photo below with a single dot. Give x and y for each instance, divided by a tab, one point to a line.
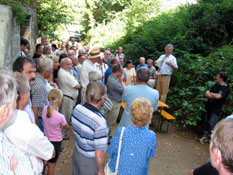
62	149
66	137
204	139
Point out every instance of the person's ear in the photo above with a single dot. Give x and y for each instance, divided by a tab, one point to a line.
4	111
218	155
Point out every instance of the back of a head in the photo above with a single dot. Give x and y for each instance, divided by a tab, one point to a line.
47	50
116	68
113	61
23	41
44	64
23	85
95	91
94	75
223	76
8	87
143	75
141	111
222	138
20	61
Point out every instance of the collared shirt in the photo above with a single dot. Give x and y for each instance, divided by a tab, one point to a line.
67	83
132	92
29	111
139	66
164	68
39	94
87	67
114	89
90	129
7	150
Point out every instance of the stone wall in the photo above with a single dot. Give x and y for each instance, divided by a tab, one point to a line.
10	34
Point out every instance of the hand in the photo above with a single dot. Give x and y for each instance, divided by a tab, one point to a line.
157	74
169	63
13	163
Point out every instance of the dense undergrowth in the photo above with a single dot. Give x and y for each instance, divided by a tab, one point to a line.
198	33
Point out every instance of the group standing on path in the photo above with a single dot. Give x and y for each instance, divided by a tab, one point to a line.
84	87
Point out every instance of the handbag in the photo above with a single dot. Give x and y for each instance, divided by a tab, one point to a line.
107	170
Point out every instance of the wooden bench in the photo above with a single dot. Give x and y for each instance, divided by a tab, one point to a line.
164	115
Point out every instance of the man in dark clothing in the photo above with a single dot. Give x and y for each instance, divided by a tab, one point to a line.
216	95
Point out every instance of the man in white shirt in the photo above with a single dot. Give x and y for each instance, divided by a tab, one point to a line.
89	65
24	134
166	63
70	88
13	160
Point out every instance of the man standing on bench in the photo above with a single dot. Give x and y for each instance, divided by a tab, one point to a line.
216	95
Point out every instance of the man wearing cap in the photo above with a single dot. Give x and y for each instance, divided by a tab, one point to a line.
89	65
166	63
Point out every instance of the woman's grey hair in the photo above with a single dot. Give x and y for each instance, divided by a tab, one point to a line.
23	85
44	64
8	87
169	45
94	75
95	91
47	50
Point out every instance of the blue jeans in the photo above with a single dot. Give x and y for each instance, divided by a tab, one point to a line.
40	124
210	121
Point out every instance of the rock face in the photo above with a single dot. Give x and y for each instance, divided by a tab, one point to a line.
10	34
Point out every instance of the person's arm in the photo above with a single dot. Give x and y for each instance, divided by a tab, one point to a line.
134	79
66	126
171	65
35	110
100	160
213	95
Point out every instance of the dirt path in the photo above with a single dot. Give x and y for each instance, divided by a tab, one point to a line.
177	153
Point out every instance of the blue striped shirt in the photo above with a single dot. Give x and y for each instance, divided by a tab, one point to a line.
7	150
90	129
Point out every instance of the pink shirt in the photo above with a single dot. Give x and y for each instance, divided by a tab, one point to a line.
52	125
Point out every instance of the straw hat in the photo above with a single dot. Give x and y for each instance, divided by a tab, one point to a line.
95	53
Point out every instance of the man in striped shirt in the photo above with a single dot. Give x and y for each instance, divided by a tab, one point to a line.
91	133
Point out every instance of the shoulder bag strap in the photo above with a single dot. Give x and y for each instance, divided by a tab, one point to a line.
119	150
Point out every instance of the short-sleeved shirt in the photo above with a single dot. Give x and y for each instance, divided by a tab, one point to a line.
138	146
67	83
140	66
132	92
164	68
90	129
114	88
215	105
52	125
130	74
39	95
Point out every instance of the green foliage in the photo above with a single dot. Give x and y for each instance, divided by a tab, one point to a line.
20	16
195	75
52	15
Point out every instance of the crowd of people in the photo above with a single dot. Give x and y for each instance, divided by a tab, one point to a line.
73	85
